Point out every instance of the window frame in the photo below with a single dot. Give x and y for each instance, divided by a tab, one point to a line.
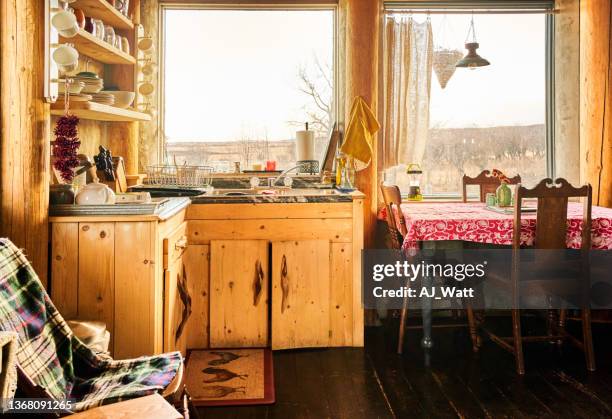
544	7
161	59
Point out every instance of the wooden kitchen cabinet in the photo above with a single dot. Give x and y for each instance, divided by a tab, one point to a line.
310	257
113	269
177	307
238	293
300	294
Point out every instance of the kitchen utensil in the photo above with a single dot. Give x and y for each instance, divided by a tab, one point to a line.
125	45
146	88
99	25
65	55
123	99
61	194
95	194
109	34
65	23
148	68
145	44
118	41
74	88
89	26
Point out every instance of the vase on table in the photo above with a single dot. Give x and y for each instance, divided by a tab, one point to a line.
504	195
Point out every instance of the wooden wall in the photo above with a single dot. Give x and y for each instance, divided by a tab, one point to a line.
24	131
567	90
596	98
362	47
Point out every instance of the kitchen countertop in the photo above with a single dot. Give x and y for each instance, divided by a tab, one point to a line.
172	207
175	205
295	197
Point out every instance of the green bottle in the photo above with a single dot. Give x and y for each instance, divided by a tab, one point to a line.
504	195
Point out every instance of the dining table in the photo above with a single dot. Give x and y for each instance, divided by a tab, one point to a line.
439	225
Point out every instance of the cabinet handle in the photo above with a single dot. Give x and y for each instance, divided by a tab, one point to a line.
186	300
258	282
284	283
181	243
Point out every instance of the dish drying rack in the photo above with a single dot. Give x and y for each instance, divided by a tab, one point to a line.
184	176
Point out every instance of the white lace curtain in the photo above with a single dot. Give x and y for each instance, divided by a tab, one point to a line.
408	60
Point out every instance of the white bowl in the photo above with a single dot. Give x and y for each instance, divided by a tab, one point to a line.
75	87
89	88
123	99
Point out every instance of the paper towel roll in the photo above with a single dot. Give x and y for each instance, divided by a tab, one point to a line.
305	145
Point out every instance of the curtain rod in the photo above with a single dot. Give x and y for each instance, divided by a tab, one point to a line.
469	12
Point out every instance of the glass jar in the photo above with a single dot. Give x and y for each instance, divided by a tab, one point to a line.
125	45
99	25
109	34
117	43
89	26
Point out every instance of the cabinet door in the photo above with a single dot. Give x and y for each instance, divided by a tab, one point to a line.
238	293
300	294
177	307
137	304
197	260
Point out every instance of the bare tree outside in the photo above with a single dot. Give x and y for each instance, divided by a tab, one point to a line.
315	82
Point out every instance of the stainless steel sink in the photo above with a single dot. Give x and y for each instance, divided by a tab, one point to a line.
272	192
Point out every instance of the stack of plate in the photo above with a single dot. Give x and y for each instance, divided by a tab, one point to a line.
103	98
93	83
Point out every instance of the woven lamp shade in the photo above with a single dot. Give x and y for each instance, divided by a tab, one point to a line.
444	64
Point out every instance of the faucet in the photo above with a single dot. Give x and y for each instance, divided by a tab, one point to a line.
284	172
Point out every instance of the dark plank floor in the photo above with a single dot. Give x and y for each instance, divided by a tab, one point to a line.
375	382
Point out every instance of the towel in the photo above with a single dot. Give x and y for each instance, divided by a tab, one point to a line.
360	133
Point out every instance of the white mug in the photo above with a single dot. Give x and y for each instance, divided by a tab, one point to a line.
65	55
65	23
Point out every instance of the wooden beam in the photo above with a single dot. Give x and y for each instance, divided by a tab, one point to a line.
596	98
24	131
362	39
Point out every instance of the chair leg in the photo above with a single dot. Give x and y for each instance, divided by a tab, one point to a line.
587	337
473	328
518	342
561	322
402	327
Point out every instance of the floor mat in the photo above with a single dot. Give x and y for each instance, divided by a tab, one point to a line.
229	377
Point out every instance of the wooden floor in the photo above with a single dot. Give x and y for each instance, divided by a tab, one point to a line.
377	383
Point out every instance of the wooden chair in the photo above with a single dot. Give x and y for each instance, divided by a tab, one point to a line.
396	226
551	232
487	183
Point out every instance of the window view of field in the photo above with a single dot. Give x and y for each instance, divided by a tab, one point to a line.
489	117
243	96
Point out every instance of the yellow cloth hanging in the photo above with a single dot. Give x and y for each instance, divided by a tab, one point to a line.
362	127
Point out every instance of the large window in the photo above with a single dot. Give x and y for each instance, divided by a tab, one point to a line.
238	84
488	117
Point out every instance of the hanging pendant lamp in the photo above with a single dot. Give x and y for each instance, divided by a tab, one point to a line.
472	59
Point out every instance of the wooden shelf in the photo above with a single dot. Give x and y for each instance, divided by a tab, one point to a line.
95	48
99	112
102	9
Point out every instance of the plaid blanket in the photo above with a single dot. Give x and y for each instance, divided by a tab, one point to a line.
53	358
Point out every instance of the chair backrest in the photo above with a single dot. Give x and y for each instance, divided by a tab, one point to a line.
395	225
487	182
551	221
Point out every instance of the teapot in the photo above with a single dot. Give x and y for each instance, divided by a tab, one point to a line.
95	193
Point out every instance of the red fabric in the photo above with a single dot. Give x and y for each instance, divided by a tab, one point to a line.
474	223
